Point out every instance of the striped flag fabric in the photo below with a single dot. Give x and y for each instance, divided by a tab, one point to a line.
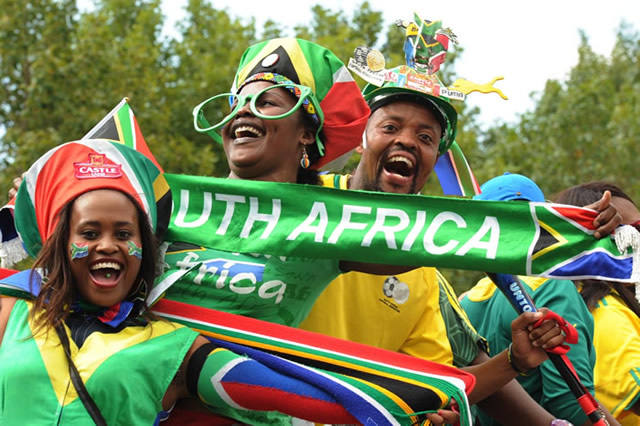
455	174
121	126
376	386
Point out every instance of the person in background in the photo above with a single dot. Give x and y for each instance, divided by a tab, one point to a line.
491	313
616	316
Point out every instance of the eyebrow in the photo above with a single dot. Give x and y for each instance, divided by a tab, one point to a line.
398	117
98	223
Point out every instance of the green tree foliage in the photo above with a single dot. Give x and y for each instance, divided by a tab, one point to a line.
582	129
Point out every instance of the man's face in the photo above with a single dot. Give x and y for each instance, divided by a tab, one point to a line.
402	140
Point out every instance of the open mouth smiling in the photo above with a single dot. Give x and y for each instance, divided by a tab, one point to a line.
400	165
246	131
105	274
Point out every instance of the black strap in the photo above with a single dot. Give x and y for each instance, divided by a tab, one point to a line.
196	363
86	399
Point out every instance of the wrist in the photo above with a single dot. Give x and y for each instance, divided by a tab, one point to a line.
513	364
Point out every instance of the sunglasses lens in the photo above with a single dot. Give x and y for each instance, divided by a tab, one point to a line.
277	100
217	109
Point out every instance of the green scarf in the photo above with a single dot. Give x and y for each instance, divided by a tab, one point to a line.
281	219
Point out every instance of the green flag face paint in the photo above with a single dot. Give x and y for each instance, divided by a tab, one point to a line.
307	221
79	250
134	249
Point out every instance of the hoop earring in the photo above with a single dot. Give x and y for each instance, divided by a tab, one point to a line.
304	161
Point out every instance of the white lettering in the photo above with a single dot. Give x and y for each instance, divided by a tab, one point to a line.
318	211
231	200
254	216
490	225
389	231
413	234
345	221
243	289
278	288
429	245
184	208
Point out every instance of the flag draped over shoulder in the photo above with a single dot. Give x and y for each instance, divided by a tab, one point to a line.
539	239
373	385
376	386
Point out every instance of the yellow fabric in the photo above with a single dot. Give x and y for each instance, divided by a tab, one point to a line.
414	327
485	288
87	358
364	308
617	372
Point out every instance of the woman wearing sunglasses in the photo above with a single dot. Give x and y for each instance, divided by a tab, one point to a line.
292	109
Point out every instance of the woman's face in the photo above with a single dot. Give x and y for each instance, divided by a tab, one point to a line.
104	246
267	150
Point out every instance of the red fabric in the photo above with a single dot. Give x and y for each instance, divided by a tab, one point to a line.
344	121
141	145
6	272
312	339
257	398
584	217
181	416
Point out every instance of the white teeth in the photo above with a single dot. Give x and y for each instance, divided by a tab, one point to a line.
250	129
401	158
105	265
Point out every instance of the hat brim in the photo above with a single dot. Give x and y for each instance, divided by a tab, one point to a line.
445	113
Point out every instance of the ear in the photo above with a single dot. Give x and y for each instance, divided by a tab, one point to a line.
308	137
363	142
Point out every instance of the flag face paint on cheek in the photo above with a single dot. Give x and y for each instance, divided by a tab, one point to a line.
134	249
79	250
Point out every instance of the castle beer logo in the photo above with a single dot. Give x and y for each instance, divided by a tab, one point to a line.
99	166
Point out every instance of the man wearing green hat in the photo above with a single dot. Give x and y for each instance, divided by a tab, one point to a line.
415	313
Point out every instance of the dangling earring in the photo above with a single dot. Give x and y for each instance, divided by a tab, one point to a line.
304	161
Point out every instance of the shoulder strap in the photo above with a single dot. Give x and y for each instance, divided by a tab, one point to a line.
82	391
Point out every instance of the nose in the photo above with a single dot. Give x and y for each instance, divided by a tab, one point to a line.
245	109
407	139
107	244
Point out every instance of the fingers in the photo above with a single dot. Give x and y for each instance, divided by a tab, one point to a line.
525	320
547	335
16	184
608	218
444	417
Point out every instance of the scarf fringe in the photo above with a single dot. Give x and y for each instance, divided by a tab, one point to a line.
628	237
12	252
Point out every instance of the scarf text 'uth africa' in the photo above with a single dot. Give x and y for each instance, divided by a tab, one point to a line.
537	239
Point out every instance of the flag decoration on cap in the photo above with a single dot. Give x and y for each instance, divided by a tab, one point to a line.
309	64
425	47
71	169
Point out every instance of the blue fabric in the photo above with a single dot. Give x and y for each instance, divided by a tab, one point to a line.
510	187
